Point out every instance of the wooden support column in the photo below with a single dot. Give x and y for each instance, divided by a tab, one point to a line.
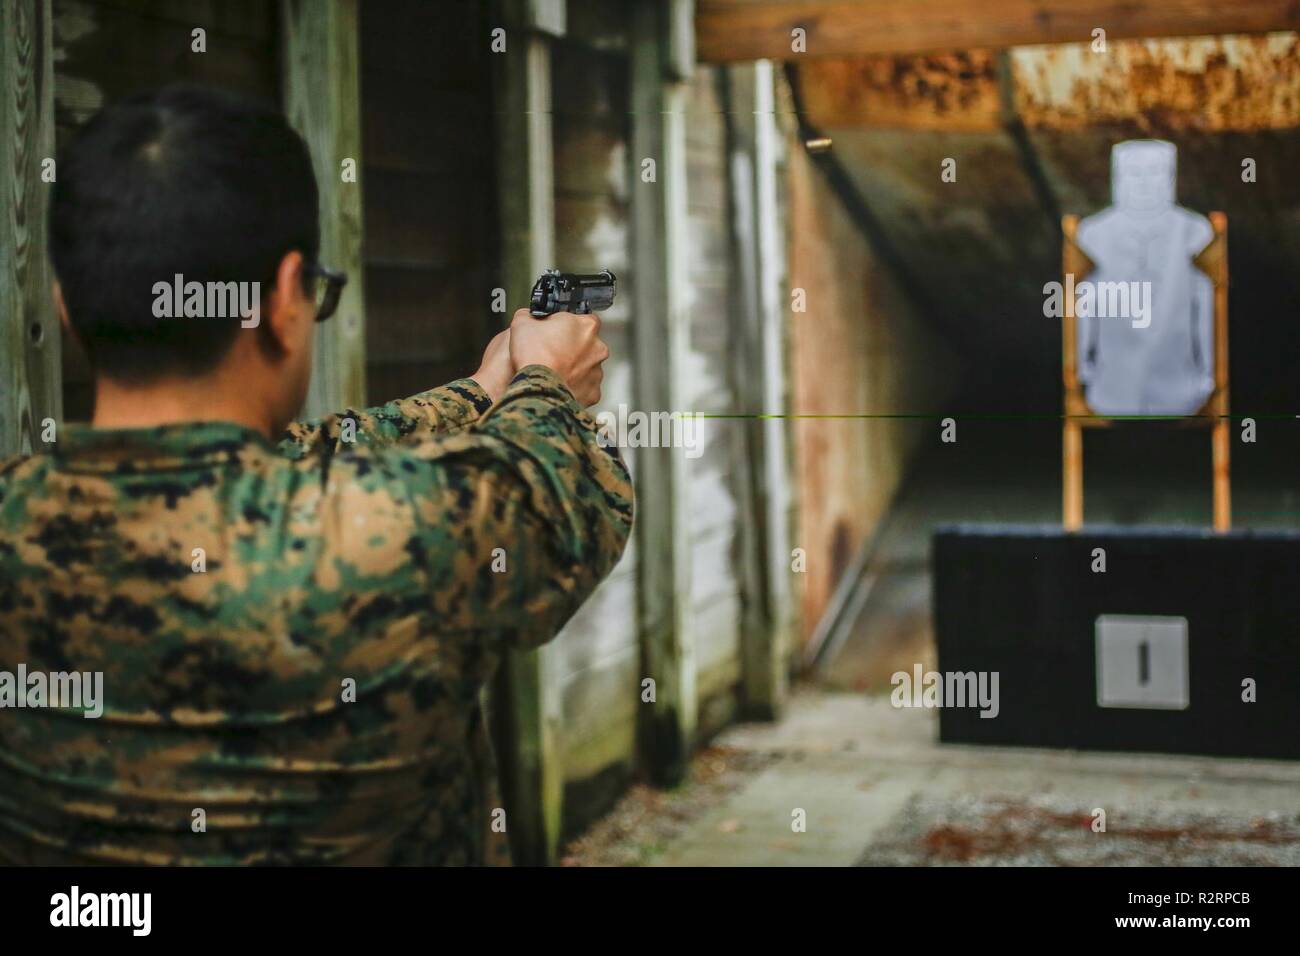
658	182
321	69
30	386
774	302
528	706
759	383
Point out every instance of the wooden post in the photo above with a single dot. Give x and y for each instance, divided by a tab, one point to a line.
30	387
679	39
774	301
658	183
1073	264
1213	261
529	705
321	83
759	387
1072	463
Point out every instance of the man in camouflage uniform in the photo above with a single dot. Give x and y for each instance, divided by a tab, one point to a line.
293	636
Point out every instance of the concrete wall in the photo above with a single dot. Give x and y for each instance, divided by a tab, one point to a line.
861	353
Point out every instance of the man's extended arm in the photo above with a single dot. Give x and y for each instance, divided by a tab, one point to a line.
438	411
523	515
435	412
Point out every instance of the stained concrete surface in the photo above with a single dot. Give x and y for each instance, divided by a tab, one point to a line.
876	788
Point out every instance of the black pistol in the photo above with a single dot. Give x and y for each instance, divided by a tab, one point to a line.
558	291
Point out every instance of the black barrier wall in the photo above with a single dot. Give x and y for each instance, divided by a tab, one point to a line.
1193	625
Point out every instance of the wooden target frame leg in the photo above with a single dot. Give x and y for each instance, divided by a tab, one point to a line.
1222	479
1075	264
1072	471
1213	261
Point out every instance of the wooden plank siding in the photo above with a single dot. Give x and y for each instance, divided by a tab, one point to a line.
713	508
428	141
598	654
29	340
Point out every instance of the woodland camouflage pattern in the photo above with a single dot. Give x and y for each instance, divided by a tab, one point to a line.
223	690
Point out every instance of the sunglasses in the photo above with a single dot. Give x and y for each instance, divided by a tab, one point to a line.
327	292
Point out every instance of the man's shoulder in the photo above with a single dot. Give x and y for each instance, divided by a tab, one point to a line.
12	466
19	474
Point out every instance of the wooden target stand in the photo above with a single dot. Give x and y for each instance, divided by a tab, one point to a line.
1213	261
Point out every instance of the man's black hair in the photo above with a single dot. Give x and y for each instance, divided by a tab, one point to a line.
207	184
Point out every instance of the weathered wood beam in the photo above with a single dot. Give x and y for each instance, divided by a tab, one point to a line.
778	481
529	705
732	30
679	39
758	378
658	179
322	92
549	17
30	386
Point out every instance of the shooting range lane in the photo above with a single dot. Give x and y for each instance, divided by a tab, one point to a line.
1031	131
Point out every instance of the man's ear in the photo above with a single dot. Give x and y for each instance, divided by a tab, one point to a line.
287	307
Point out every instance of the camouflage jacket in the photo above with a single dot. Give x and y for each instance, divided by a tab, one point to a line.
292	639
